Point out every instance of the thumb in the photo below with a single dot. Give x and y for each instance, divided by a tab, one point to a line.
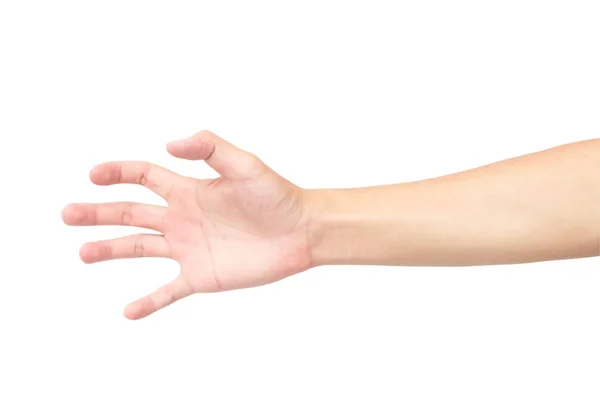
225	158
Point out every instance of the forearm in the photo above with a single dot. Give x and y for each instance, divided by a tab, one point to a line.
531	208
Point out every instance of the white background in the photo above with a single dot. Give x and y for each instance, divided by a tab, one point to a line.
330	94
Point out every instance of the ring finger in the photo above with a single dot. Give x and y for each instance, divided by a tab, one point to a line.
119	214
135	246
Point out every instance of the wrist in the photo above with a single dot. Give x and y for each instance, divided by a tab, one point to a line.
335	226
319	206
358	226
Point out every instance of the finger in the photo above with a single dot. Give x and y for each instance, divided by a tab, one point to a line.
162	297
225	158
153	177
116	214
135	246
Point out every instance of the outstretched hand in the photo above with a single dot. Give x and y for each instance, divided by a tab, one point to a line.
246	228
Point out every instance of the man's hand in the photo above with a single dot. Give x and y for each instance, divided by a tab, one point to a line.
246	228
251	227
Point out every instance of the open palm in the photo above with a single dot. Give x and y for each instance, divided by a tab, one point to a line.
246	228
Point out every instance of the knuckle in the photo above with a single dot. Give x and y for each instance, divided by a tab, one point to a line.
151	305
168	294
203	146
119	173
143	178
163	297
205	134
206	149
127	214
138	247
251	163
143	173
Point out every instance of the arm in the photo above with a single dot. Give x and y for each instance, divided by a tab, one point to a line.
536	207
251	227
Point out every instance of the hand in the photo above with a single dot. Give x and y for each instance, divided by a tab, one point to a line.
246	228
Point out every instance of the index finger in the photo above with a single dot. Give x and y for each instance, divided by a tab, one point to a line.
153	177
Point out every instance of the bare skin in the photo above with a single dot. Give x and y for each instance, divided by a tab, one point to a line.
251	227
243	229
